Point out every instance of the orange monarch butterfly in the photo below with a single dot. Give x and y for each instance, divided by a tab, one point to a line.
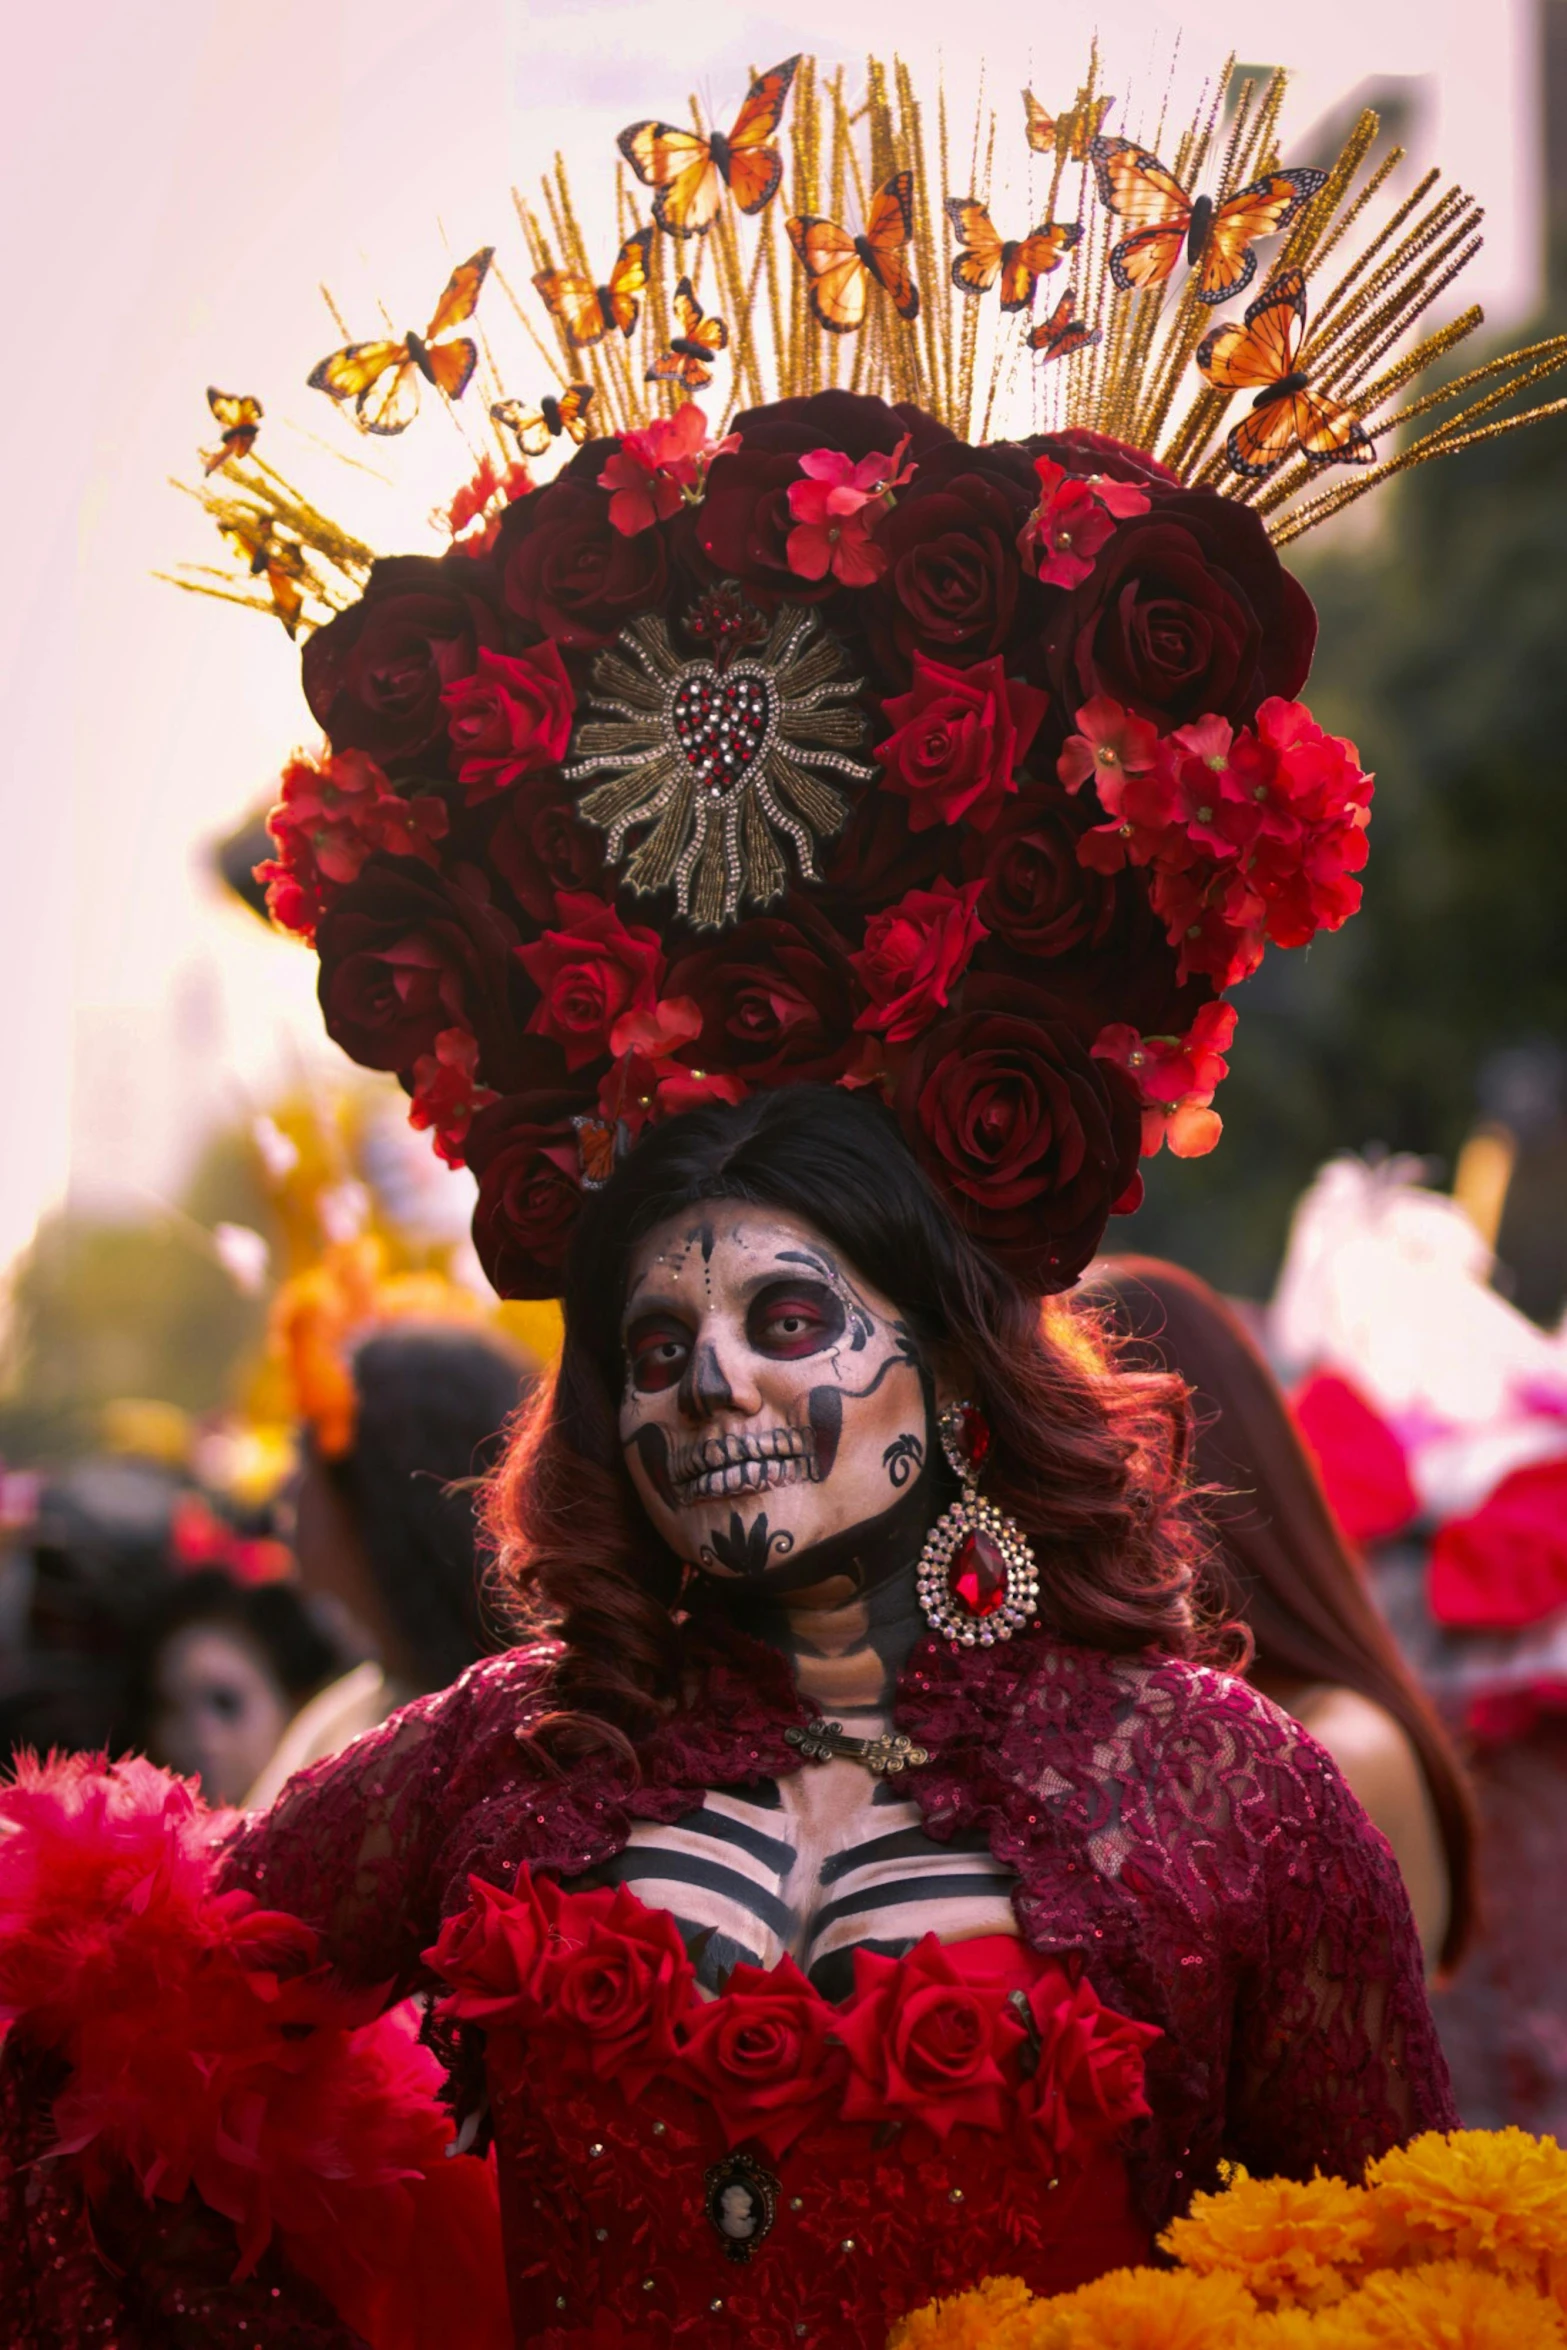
535	428
1019	262
688	360
382	379
586	311
842	269
282	566
240	417
1063	332
1071	133
1263	355
1217	238
689	172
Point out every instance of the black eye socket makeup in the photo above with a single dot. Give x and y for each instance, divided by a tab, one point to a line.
790	1320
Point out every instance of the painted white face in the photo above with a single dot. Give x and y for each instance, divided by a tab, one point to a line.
773	1398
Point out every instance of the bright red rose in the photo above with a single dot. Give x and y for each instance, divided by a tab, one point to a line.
490	1953
762	2056
375	674
589	974
405	954
1088	2084
511	718
924	2045
913	956
776	996
541	847
1029	1139
618	1974
565	569
959	738
525	1153
1188	613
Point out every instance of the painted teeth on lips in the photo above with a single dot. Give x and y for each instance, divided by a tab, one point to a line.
741	1463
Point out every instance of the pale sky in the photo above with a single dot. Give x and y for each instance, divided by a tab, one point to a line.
175	179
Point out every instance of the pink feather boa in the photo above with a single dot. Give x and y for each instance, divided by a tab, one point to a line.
211	2049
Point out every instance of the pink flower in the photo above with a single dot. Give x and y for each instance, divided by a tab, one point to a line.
959	737
1110	745
836	508
447	1095
334	813
1074	518
914	953
664	466
511	718
1177	1078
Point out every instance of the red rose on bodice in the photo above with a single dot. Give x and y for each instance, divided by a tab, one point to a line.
1088	2082
924	2045
762	2056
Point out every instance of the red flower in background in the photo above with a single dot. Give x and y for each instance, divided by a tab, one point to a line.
405	954
568	573
541	847
333	815
913	955
511	718
486	488
447	1094
959	737
764	2056
924	2045
589	974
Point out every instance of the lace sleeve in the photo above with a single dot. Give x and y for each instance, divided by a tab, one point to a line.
1335	2057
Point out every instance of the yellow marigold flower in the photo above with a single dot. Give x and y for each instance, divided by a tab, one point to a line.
1442	2305
1146	2309
1291	2240
1498	2196
1289	2329
980	2320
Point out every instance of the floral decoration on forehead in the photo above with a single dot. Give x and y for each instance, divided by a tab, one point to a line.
823	733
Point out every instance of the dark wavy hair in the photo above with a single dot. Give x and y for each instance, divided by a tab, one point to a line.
1278	1562
433	1403
1089	1462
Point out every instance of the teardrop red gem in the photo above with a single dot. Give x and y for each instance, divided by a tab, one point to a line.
977	1575
974	1437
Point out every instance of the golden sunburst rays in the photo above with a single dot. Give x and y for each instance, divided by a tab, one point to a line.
717	762
290	559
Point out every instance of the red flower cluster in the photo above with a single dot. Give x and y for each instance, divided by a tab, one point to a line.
1026	970
987	2036
333	814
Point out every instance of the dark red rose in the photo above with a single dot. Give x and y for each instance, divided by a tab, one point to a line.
541	846
955	587
776	996
1030	1139
1083	453
924	2045
406	954
876	860
761	2056
374	675
526	1156
1188	612
566	571
744	521
511	718
590	971
959	737
1038	900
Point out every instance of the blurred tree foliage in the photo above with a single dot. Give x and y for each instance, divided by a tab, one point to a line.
100	1309
1443	654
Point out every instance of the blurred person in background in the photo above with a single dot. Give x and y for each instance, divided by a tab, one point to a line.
385	1530
224	1668
1280	1565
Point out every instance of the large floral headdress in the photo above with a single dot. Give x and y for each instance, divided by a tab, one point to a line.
851	744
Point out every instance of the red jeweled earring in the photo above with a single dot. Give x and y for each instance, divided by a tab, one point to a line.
977	1579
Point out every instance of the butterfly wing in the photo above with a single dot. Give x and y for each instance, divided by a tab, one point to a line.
837	280
1262	350
1135	185
678	165
628	280
1063	332
1262	439
1324	431
349	374
1228	264
977	264
460	296
391	403
573	302
240	418
528	425
754	165
1034	258
1039	128
451	365
889	229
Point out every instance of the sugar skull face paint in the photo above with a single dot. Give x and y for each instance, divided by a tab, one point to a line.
773	1398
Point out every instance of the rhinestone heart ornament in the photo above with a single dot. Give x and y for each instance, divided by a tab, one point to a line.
977	1579
721	723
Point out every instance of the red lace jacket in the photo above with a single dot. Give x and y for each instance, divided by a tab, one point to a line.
1178	1834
